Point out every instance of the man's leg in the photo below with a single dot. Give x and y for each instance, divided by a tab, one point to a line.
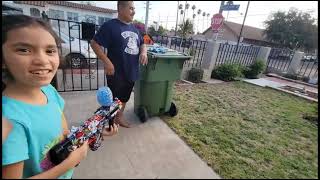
121	89
119	117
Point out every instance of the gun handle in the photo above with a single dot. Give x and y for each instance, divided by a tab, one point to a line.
111	122
60	152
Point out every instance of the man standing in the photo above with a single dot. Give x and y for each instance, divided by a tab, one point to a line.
125	47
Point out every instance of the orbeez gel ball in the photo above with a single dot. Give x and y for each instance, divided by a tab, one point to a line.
104	96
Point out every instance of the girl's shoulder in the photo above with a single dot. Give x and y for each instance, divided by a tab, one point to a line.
53	95
49	88
14	111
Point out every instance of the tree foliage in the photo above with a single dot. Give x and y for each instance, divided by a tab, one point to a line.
152	31
185	28
293	29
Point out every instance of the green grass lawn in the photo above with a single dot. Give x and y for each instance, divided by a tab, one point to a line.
246	131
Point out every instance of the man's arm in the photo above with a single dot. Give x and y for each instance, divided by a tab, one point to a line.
143	48
143	54
98	50
109	68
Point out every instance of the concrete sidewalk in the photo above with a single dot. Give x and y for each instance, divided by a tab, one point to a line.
147	150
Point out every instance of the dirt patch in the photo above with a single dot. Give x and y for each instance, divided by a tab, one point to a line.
311	118
183	82
301	91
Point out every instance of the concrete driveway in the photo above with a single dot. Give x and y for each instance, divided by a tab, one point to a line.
147	150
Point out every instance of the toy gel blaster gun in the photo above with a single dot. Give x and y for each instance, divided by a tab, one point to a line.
90	130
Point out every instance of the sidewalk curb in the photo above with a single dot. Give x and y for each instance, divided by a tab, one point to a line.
292	80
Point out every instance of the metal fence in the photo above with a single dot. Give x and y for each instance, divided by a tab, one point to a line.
194	48
243	54
279	59
80	69
308	66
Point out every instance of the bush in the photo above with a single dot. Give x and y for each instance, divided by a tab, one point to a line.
195	75
227	72
254	69
306	79
192	51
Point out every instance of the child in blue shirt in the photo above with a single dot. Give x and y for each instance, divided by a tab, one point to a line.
30	103
6	128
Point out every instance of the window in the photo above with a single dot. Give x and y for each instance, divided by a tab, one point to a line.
73	16
102	20
56	14
34	12
90	19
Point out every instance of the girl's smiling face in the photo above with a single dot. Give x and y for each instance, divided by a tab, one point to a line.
31	55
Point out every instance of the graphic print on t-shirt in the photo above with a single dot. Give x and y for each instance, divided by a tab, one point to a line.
132	46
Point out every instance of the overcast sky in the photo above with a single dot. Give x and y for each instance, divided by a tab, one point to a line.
258	11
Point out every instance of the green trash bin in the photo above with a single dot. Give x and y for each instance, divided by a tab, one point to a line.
153	91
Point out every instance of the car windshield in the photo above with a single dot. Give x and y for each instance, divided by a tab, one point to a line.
63	36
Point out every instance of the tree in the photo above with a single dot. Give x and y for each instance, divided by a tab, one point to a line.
186	8
193	14
199	13
204	15
185	28
152	31
294	30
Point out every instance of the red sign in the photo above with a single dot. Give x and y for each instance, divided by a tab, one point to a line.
216	22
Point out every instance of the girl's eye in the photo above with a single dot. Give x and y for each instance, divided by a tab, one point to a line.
51	51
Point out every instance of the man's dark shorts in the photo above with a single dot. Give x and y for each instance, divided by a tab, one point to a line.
120	87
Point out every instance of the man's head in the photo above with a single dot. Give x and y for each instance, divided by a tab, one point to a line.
126	10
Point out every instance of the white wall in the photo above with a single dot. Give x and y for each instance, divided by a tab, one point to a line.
63	25
81	12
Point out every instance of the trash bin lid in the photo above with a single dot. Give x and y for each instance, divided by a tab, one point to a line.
169	54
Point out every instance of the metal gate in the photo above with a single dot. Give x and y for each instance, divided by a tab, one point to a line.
279	59
80	69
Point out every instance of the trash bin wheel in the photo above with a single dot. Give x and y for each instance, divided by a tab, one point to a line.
173	111
143	114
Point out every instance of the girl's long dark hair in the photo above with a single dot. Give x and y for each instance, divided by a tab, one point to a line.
11	22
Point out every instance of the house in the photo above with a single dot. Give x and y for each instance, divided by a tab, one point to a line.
66	20
8	8
230	32
65	10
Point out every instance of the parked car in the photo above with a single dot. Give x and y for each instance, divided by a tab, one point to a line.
160	39
76	52
310	58
175	40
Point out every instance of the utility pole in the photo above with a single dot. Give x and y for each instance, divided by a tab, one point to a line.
167	21
184	13
220	10
147	17
244	19
175	30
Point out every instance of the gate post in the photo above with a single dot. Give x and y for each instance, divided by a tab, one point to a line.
209	59
263	55
295	63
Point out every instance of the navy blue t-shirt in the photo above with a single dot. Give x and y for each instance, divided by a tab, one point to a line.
123	43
